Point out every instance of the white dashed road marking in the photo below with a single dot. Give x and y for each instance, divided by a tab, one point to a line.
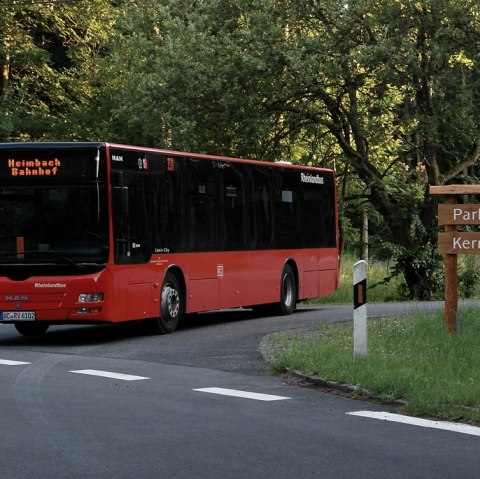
131	377
108	374
242	394
415	421
8	362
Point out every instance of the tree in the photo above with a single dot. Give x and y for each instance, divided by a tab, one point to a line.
384	90
45	49
397	87
387	88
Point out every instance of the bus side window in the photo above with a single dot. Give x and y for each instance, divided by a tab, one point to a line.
233	204
140	217
201	210
133	235
168	208
318	210
265	212
251	226
288	231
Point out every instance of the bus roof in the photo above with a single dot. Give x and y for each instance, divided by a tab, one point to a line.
101	144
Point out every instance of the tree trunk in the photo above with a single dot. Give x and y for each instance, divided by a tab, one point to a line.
364	237
5	76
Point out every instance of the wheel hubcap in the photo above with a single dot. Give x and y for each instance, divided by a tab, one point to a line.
171	299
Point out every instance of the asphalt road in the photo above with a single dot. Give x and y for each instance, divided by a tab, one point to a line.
115	402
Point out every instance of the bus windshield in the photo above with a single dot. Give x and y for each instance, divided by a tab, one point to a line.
53	229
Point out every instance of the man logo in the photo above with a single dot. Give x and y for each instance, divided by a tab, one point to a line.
10	297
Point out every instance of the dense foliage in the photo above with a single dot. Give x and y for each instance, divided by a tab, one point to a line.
385	91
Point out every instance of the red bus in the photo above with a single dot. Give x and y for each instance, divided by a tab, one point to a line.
100	232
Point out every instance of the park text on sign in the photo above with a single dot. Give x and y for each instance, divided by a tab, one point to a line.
468	214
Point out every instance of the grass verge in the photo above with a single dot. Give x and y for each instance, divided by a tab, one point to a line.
378	289
410	358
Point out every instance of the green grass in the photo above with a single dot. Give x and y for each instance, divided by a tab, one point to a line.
410	358
380	290
376	275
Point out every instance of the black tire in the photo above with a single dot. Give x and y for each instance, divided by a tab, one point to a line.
288	292
31	328
172	306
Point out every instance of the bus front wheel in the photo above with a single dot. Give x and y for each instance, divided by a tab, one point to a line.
171	305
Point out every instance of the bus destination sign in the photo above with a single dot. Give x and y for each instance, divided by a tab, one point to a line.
55	164
34	167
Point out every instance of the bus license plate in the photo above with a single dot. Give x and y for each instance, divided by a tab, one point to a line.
17	316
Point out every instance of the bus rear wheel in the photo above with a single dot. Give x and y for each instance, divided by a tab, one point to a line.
288	292
171	306
31	328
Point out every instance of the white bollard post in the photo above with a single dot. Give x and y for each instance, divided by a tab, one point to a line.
360	347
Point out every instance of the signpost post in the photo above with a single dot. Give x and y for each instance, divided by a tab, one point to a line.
452	242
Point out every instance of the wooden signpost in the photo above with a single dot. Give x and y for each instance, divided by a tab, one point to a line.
453	242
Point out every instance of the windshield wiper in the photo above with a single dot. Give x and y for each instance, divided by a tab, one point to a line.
29	255
64	258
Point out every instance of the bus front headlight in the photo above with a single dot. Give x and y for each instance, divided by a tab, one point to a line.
90	297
